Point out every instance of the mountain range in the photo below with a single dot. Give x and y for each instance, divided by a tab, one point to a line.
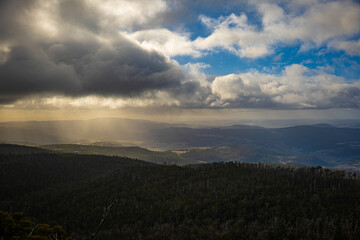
309	145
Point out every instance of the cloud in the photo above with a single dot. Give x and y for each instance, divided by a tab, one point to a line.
75	48
316	24
234	34
165	41
113	15
297	87
351	47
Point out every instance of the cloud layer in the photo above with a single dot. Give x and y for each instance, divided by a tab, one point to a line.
120	53
311	24
329	23
75	48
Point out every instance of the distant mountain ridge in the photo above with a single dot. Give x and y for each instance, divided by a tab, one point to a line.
306	137
316	144
320	143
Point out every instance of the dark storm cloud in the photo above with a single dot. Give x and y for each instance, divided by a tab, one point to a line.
119	69
348	97
81	59
80	14
28	70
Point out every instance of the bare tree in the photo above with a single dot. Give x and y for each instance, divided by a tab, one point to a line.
32	230
106	212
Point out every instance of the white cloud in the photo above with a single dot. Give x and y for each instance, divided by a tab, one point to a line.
351	47
319	23
128	13
234	34
165	41
296	87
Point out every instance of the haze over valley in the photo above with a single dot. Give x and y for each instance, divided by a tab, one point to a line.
304	145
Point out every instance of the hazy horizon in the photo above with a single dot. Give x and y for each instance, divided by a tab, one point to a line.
197	117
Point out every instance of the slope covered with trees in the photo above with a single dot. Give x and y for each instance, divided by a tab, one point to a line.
22	174
16	226
212	201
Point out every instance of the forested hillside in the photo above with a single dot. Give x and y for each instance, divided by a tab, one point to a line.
212	201
22	174
16	226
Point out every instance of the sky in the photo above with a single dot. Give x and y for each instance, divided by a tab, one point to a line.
190	59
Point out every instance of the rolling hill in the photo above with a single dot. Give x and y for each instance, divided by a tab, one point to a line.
322	144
